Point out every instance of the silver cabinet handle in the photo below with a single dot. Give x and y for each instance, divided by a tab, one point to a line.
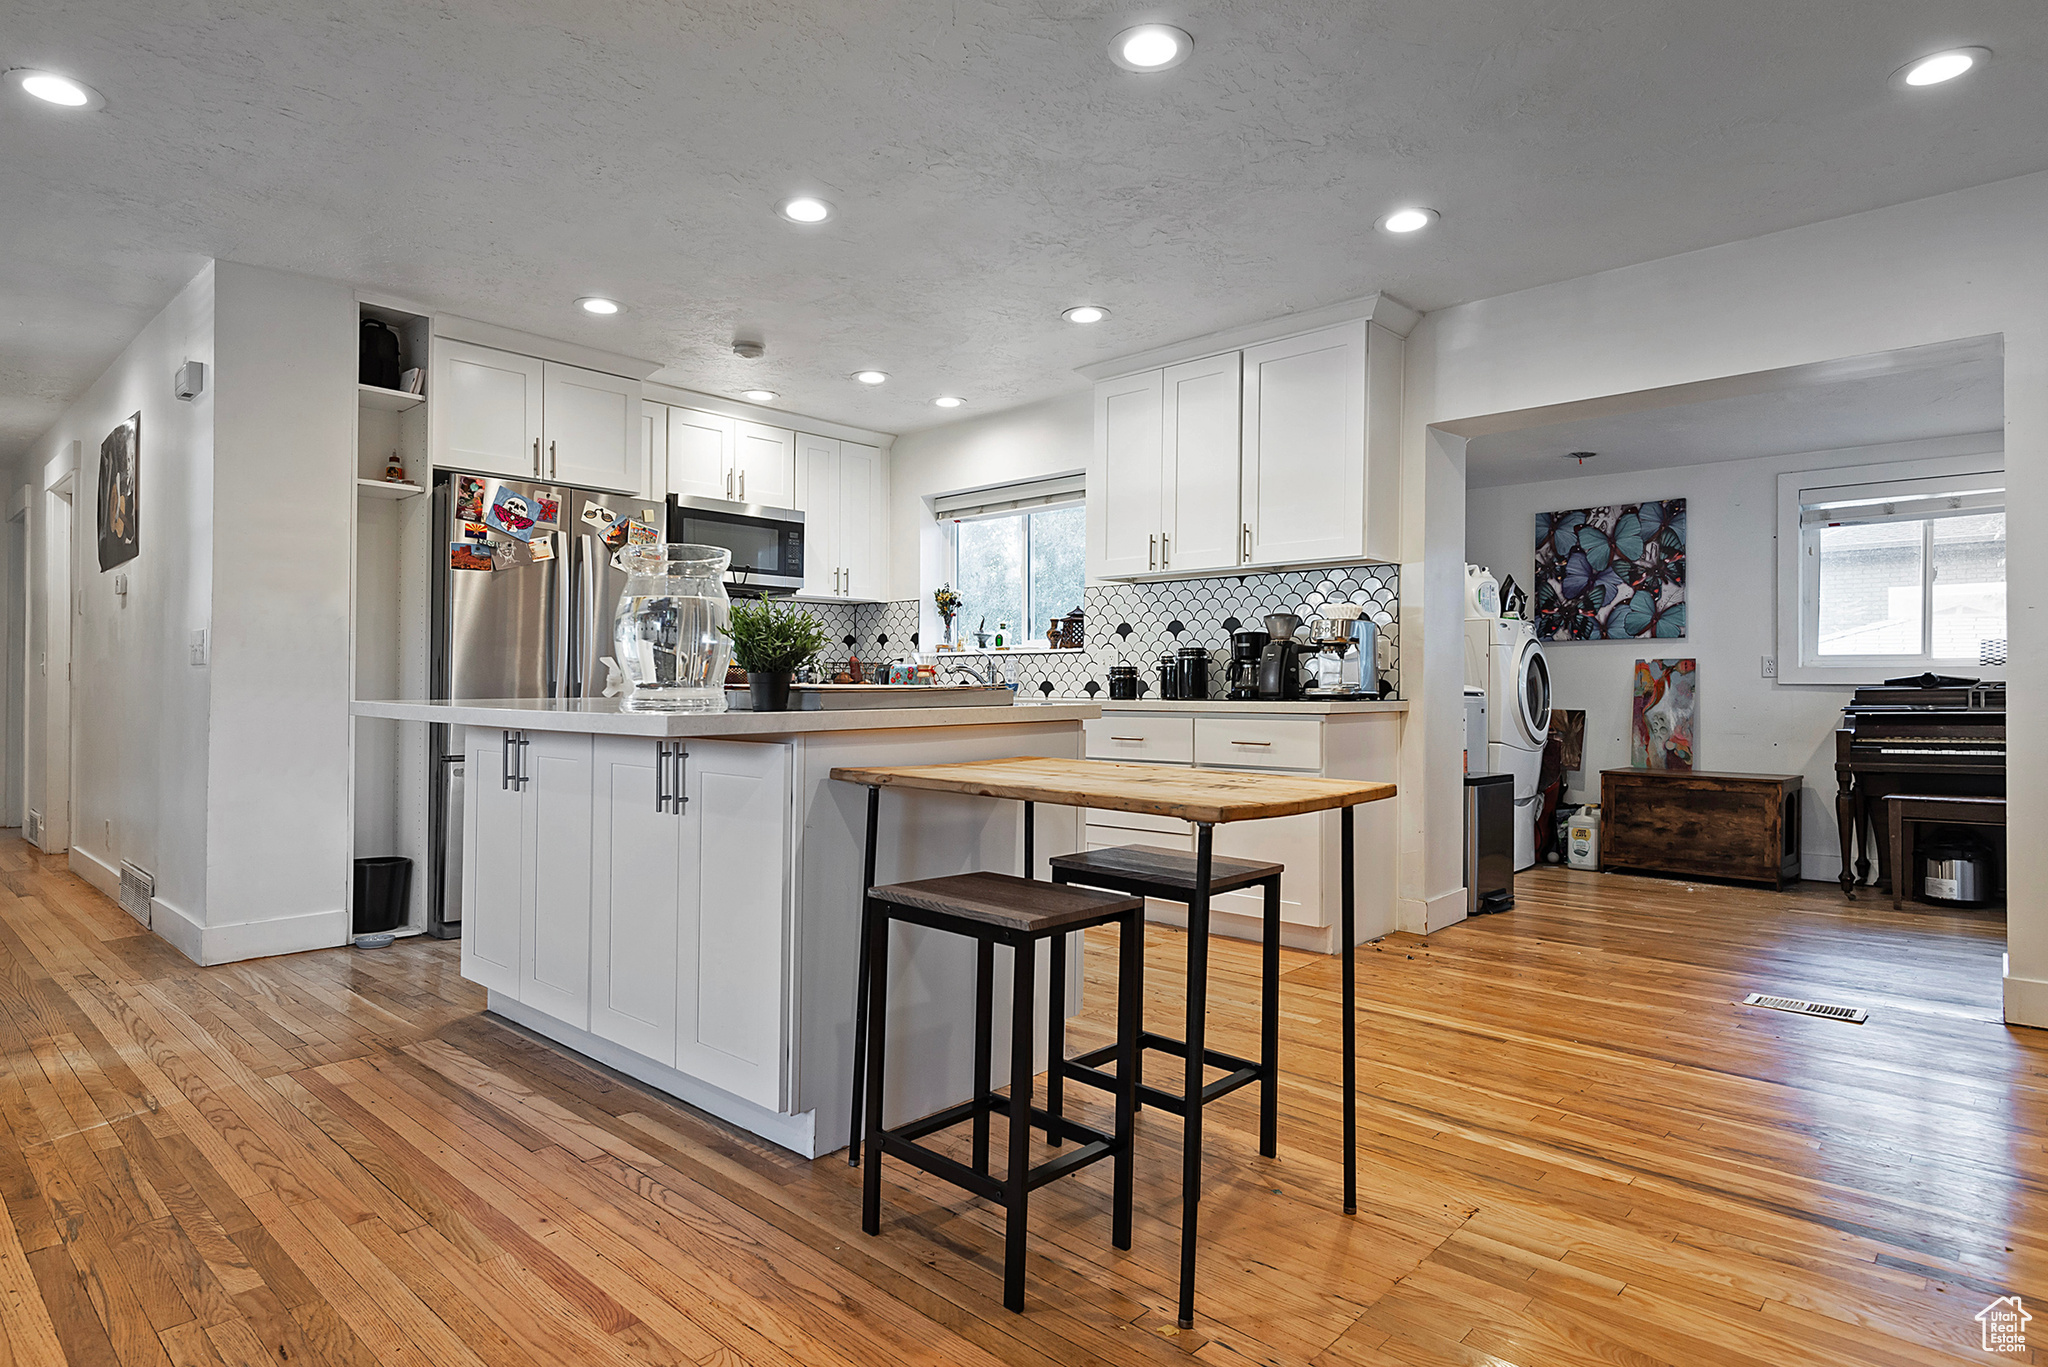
1165	550
680	789
661	776
1152	551
505	762
521	742
1266	744
554	464
1130	738
743	486
728	482
1247	556
536	458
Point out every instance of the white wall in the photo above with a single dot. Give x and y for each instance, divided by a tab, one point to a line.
138	710
1951	267
1747	723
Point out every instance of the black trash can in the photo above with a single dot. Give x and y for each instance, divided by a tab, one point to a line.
383	890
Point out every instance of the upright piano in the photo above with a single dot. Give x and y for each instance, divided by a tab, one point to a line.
1929	735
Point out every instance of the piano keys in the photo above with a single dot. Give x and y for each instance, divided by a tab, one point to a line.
1936	736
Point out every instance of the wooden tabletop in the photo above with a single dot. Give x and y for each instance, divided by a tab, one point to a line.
1203	795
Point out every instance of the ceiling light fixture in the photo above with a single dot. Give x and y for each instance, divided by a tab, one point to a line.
1408	220
1938	67
871	376
598	304
948	401
51	88
804	209
759	395
1580	456
1085	313
1151	47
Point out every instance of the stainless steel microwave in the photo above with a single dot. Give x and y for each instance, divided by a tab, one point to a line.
767	544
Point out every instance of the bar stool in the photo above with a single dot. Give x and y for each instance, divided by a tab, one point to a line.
1000	909
1169	875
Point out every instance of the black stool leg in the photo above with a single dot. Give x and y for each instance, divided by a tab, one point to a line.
1130	981
860	989
984	1042
878	1017
1017	1186
1055	1037
1269	1026
1197	1038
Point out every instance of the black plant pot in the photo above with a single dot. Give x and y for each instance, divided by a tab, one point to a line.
770	692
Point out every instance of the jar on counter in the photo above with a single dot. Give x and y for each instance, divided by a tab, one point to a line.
1169	678
1123	683
670	630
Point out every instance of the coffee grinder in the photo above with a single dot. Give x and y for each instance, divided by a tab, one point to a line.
1280	662
1242	675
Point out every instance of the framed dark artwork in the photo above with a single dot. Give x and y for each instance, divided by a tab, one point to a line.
1611	574
120	487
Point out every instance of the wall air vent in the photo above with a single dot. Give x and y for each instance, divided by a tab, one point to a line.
1853	1014
33	829
137	887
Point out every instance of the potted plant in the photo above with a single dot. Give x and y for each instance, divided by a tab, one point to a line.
769	641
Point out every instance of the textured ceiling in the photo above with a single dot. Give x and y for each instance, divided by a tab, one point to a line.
498	158
1947	389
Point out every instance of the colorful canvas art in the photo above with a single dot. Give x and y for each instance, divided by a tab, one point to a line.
1666	715
1612	573
510	512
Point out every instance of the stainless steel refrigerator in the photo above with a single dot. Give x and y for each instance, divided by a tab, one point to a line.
532	626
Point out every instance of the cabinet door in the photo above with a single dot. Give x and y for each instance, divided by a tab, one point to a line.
487	410
1124	483
654	451
634	898
764	459
1200	437
1304	447
817	494
1297	842
554	950
593	429
863	514
732	1003
699	454
494	844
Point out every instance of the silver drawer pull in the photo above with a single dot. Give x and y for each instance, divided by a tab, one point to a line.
1130	738
1266	743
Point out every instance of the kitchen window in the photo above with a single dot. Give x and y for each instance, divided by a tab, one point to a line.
1897	569
1017	554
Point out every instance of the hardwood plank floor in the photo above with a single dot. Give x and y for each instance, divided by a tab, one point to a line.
1577	1149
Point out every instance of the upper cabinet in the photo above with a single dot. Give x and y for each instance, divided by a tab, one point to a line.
764	465
497	413
713	456
842	488
1284	453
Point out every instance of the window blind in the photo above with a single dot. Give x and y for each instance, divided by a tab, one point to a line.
1903	500
1009	498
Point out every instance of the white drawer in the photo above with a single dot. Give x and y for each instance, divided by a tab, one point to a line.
1135	736
1260	742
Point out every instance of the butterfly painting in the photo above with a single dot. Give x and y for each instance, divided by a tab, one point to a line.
1612	573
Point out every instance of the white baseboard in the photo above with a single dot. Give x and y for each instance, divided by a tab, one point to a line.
185	932
1422	915
204	944
96	871
2026	999
797	1133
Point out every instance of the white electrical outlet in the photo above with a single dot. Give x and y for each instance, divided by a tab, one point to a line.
1770	666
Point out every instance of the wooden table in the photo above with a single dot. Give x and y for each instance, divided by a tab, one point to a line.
1905	810
1206	797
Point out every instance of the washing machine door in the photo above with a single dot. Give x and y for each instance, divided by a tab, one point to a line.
1532	693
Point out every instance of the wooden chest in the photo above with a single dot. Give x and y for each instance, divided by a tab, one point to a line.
1709	825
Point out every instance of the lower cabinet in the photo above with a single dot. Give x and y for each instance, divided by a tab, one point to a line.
637	889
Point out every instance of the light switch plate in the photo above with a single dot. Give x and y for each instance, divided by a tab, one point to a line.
199	646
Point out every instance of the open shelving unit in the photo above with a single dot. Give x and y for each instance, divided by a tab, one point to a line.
386	400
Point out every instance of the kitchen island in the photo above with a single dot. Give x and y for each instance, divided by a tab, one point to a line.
677	895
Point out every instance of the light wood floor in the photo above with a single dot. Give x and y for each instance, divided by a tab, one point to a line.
1578	1150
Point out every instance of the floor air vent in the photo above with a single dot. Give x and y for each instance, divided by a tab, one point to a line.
1853	1015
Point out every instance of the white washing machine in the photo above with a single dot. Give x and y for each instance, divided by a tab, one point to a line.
1503	656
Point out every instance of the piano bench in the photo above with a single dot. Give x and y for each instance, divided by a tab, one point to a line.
1905	810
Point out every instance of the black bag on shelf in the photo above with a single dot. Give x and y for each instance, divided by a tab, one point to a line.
381	362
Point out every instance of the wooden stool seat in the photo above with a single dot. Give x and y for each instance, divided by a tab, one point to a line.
1905	810
1149	867
1006	902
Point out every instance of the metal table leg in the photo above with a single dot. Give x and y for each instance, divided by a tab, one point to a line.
860	980
1030	839
1197	1044
1350	951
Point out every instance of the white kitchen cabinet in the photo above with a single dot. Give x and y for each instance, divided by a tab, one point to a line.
1304	457
635	895
526	869
1125	479
764	465
654	445
699	453
498	413
487	410
1199	528
842	488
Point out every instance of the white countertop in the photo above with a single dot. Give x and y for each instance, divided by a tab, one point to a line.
605	717
1306	707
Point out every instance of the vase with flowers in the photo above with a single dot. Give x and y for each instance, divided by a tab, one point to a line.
947	601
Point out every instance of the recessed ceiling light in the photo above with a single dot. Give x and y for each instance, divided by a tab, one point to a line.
1408	220
949	401
804	209
759	395
1937	67
51	88
598	304
871	376
1085	313
1151	47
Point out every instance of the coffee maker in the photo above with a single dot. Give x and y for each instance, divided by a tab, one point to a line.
1280	662
1242	675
